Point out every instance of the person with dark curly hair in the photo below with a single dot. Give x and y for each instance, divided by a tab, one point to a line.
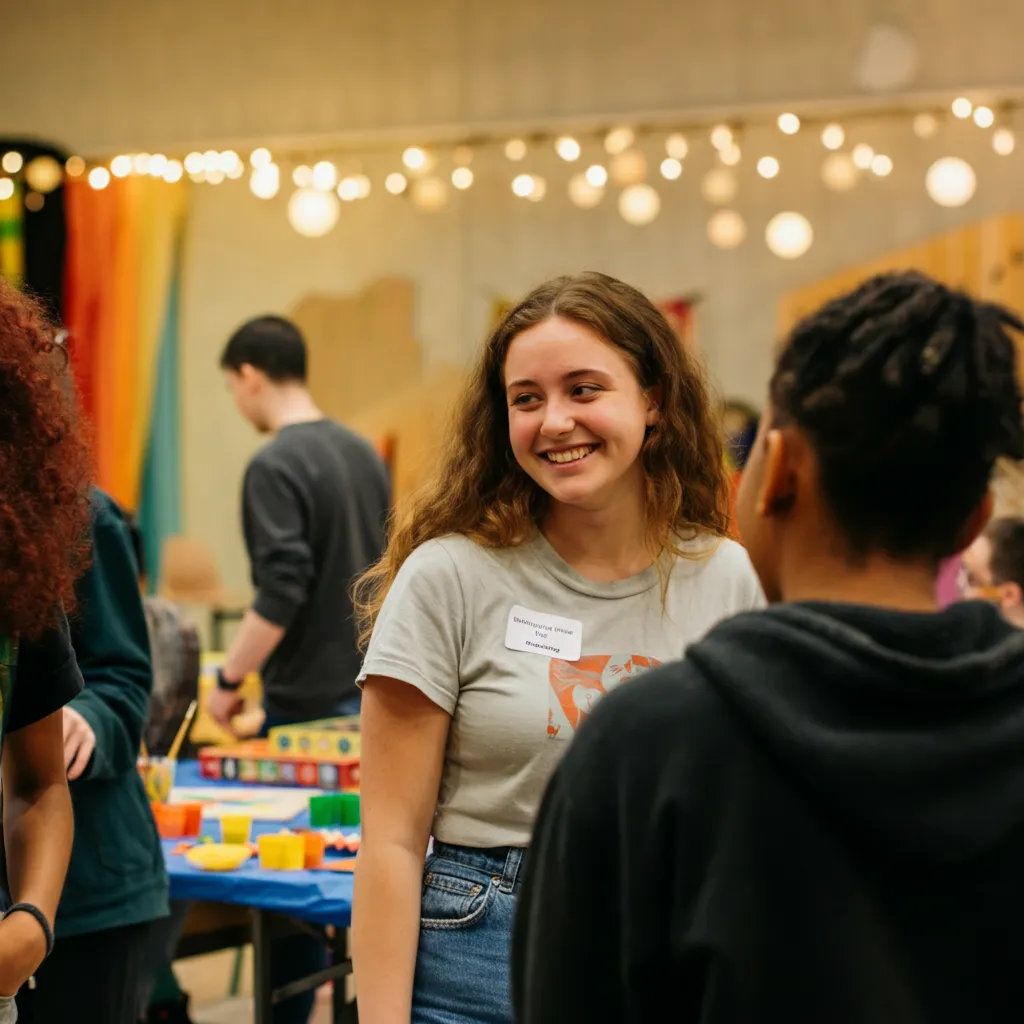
44	541
818	814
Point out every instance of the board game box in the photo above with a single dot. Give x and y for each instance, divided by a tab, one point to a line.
255	761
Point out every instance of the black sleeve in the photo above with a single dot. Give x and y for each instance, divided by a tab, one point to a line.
46	678
276	536
567	946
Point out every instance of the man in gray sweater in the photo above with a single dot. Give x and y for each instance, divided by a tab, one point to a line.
314	507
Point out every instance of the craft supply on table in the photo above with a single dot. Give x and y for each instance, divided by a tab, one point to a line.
259	803
334	809
177	821
157	775
285	851
254	761
219	856
325	738
235	828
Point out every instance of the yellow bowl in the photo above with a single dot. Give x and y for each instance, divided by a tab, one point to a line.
218	856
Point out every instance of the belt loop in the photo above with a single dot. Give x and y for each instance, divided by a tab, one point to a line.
513	862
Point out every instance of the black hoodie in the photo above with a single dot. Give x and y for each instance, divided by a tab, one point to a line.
817	816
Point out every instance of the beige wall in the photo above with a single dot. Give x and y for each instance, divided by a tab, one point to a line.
124	74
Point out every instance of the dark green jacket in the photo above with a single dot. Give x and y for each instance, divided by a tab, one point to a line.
117	875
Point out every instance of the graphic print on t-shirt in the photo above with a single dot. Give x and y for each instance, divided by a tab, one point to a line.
576	687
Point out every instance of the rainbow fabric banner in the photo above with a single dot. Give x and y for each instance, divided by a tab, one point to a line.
121	310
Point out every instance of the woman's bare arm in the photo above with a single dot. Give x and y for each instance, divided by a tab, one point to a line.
404	736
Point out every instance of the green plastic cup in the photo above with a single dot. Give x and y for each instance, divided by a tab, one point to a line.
322	812
349	808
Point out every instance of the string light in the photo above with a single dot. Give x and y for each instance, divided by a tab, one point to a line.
567	148
789	124
211	160
463	156
462	178
396	183
515	149
12	162
157	165
228	162
1003	141
639	205
768	167
173	171
863	155
6	188
925	125
730	156
789	235
302	176
983	117
881	166
726	229
522	185
260	157
833	136
597	175
265	181
194	163
839	172
671	168
99	178
313	213
75	167
141	163
583	193
721	136
325	175
962	108
951	181
121	166
414	158
618	140
676	146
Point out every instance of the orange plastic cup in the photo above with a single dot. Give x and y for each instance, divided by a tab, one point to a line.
316	843
170	821
193	818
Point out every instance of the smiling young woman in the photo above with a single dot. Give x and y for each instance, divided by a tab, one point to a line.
572	538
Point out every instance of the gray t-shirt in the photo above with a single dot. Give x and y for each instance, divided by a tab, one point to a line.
459	623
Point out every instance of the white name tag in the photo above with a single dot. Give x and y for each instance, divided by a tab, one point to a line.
540	633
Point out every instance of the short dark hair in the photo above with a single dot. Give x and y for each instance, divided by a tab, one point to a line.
271	344
908	392
1006	563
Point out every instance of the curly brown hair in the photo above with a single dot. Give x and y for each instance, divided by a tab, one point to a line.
45	471
480	491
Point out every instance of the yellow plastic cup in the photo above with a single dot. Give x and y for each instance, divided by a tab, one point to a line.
282	852
235	828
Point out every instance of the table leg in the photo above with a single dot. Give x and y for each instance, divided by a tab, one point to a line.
261	977
344	1011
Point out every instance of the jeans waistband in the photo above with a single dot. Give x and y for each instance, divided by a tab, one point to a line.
504	862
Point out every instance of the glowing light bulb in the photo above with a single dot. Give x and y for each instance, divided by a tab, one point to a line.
462	178
671	168
515	149
396	183
260	157
121	166
789	124
983	117
768	167
99	178
568	148
597	175
962	108
833	136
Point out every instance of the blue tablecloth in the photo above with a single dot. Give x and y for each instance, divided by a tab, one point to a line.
324	897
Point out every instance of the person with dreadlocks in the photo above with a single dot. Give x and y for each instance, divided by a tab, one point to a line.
818	814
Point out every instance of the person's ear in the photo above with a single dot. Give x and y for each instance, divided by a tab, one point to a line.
250	377
976	522
654	396
1010	596
778	483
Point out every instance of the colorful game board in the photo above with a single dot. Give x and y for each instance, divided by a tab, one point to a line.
326	738
255	762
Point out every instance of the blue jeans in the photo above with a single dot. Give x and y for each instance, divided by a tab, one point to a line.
465	949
